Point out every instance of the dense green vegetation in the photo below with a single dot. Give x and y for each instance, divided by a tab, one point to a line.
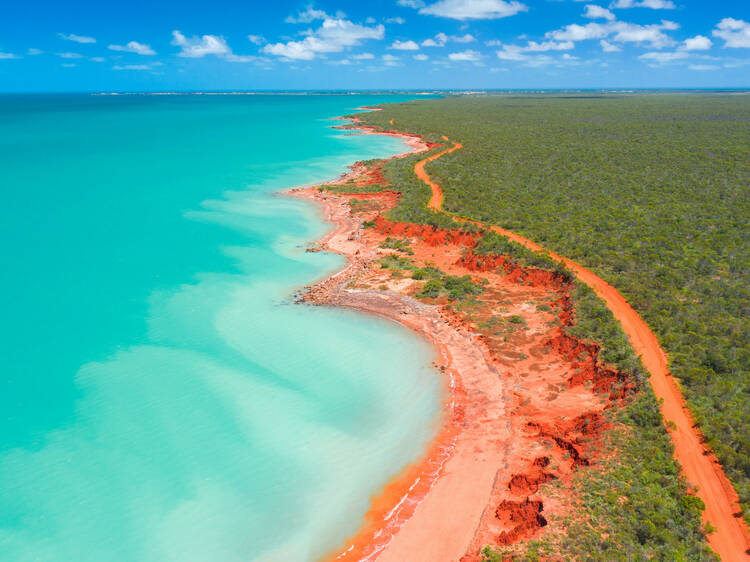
648	191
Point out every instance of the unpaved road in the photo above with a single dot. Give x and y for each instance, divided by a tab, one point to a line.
731	540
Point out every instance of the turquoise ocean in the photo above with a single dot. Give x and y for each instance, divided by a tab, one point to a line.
162	397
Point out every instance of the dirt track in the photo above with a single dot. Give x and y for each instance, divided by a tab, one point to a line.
731	540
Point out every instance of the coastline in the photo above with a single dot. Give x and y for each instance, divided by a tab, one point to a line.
569	423
501	425
396	502
464	493
458	355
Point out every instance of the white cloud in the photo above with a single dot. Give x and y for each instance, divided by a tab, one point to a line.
8	56
663	57
533	46
364	56
441	39
307	15
231	57
467	55
333	36
421	57
134	47
97	59
735	33
471	9
404	46
619	32
70	55
608	47
197	47
511	52
684	51
697	43
33	52
597	12
467	38
397	20
76	38
132	67
653	4
411	3
703	67
257	39
68	65
518	52
390	60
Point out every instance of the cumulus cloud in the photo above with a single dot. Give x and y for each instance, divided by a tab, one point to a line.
597	12
70	55
519	52
467	55
307	15
8	56
608	47
197	47
421	57
618	32
662	57
441	39
735	33
334	35
703	67
364	56
397	20
697	43
468	9
132	67
653	4
390	60
33	52
404	46
134	47
684	51
97	59
76	38
257	39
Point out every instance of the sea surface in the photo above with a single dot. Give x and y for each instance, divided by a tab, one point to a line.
162	397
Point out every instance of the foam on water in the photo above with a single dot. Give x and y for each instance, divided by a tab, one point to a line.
229	424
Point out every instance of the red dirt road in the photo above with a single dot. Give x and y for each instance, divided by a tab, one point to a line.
436	201
731	540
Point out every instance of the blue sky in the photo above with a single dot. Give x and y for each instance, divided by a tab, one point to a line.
87	45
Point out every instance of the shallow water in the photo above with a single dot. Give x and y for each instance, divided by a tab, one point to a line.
163	399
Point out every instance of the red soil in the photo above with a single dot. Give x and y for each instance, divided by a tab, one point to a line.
731	540
519	413
506	431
